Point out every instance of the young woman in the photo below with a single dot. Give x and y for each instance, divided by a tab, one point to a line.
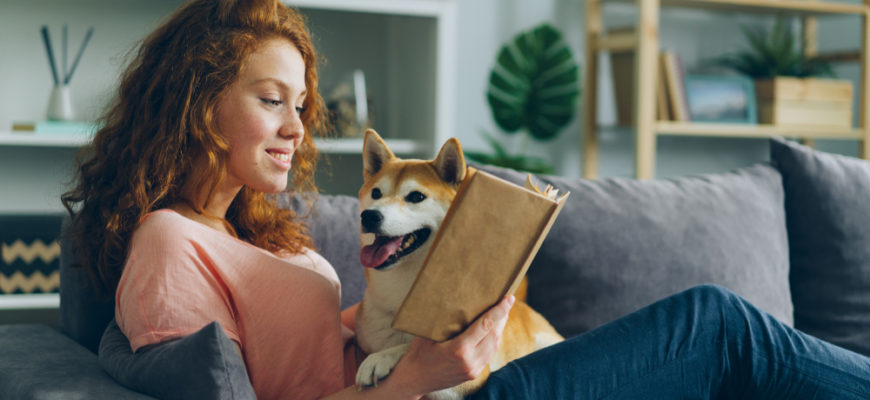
172	218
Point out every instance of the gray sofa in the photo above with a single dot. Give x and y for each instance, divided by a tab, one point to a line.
791	235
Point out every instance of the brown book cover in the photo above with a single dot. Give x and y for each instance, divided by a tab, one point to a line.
663	105
481	252
676	86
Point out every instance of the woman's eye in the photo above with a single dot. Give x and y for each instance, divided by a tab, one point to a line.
300	110
272	102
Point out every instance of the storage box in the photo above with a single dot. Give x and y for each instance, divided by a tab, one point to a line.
804	101
481	252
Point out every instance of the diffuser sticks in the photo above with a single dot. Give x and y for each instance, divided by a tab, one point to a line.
66	76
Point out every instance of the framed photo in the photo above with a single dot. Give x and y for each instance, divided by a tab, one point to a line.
723	99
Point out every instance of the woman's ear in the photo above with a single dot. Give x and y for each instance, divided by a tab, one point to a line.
376	153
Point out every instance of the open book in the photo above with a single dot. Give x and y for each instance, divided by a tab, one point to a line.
481	252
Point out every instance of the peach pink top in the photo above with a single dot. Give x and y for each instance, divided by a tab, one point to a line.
282	310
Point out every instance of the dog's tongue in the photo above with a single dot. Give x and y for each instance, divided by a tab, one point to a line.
376	253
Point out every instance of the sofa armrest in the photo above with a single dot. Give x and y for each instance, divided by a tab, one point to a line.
38	362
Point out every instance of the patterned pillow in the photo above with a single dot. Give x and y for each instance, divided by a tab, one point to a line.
30	252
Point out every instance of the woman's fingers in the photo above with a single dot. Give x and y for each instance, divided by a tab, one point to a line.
494	318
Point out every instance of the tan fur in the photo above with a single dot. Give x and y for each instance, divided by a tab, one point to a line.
526	330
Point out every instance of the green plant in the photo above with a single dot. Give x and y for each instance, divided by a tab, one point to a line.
774	53
533	88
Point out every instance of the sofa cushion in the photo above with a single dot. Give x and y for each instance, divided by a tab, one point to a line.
827	205
620	244
83	313
203	365
333	221
38	362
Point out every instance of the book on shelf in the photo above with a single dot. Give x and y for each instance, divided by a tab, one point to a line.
76	128
676	85
480	254
622	69
664	112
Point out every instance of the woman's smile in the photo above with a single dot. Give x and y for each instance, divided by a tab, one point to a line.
282	156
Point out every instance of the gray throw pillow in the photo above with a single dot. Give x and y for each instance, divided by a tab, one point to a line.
827	205
620	244
203	365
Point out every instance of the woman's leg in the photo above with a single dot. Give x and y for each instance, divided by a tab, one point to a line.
704	343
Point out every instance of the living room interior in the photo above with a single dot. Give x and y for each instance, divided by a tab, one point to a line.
418	72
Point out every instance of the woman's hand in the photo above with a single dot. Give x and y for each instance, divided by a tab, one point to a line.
429	366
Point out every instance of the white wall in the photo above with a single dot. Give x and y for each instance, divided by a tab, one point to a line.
485	25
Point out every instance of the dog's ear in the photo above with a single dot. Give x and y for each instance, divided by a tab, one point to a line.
376	153
450	163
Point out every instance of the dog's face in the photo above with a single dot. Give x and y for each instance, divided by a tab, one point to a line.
404	202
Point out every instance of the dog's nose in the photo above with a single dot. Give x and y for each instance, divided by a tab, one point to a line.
371	220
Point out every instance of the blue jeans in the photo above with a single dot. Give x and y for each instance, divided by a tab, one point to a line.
704	343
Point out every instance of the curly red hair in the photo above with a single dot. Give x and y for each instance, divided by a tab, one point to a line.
163	118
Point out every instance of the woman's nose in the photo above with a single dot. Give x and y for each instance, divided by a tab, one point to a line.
293	128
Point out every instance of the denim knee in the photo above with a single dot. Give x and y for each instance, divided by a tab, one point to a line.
708	290
714	300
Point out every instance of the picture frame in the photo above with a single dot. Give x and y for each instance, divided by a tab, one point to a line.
721	99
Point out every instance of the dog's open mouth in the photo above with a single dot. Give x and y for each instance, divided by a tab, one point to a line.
386	250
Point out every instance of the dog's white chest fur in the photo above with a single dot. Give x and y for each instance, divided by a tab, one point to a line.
374	332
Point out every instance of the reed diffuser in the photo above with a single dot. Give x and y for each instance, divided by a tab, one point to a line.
60	104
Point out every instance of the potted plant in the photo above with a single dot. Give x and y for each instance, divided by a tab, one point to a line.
788	85
533	89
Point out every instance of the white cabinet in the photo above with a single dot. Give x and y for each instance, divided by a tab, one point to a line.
406	49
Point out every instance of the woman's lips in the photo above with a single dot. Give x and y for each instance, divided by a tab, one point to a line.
281	156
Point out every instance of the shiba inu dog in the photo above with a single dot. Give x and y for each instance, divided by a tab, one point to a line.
403	203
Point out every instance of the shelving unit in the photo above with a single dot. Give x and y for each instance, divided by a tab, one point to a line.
646	48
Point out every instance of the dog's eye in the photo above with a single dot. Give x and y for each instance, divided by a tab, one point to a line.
376	193
415	197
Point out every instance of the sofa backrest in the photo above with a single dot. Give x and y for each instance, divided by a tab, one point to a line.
334	225
83	314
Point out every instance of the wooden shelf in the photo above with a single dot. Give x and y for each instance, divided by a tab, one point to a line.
765	6
29	301
326	146
754	131
645	46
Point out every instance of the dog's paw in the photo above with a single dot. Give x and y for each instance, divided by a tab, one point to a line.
378	366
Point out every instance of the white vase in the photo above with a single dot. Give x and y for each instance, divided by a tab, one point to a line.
60	104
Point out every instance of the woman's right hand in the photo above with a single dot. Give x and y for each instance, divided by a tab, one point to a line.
429	366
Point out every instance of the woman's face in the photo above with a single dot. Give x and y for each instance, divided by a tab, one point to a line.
259	116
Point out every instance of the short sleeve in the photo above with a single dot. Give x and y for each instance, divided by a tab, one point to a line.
170	287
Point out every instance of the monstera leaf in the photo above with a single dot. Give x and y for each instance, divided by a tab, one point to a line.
534	84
